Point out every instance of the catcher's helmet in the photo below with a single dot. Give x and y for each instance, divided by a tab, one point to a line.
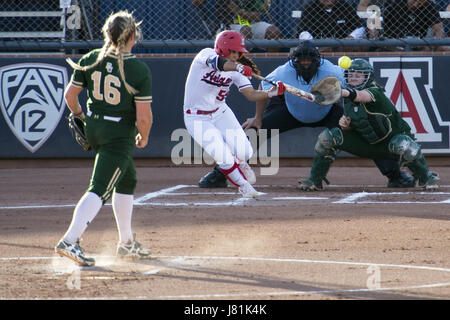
306	51
363	66
229	40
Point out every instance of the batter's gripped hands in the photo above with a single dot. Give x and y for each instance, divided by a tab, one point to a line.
245	70
344	123
140	141
277	90
252	123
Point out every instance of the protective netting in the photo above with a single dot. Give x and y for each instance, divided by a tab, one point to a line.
201	19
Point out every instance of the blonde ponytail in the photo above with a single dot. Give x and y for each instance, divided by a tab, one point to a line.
128	29
117	30
100	57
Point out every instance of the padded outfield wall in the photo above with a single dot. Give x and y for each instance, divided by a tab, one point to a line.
33	118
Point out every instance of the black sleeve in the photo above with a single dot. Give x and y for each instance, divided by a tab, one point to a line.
220	62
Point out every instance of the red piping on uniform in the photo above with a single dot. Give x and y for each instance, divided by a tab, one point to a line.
188	111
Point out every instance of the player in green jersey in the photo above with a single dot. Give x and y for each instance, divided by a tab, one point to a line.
119	92
371	128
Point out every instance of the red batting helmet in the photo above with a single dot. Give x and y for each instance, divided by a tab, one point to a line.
229	40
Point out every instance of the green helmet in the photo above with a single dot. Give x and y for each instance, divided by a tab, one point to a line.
363	66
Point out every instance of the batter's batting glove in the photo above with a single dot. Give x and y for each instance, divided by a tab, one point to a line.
245	70
280	90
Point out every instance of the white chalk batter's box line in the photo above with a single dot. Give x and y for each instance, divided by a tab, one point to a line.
352	198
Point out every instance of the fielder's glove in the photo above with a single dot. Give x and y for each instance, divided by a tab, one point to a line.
327	91
76	126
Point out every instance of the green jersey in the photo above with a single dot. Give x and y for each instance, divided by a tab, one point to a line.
375	120
106	91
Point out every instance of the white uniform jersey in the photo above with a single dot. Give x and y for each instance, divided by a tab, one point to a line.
206	86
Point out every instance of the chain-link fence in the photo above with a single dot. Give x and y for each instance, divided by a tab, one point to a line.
201	19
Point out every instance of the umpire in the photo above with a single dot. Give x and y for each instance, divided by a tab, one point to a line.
304	68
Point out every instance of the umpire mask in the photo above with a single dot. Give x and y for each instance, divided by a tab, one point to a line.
306	51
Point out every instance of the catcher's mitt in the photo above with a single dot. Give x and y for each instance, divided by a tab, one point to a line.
76	126
327	91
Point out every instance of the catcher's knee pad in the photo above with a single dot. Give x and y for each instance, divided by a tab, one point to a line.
328	140
405	147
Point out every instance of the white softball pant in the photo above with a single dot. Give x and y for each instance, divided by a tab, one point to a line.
220	135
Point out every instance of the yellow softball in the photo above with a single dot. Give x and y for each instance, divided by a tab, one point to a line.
344	62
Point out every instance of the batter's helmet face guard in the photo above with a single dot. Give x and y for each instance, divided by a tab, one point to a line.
227	41
364	67
306	51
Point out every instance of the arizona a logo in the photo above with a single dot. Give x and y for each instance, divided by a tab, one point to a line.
32	100
408	82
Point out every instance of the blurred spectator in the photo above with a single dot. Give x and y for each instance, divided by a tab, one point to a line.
374	26
412	19
243	16
222	12
445	6
447	21
330	19
364	4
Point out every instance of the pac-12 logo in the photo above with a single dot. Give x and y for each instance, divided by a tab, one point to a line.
409	82
32	100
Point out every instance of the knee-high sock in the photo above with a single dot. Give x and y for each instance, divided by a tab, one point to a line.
123	210
85	211
235	175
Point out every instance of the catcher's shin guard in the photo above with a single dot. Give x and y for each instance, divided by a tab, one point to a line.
412	157
214	179
422	174
319	170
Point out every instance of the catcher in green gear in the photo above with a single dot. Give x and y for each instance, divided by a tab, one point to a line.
371	128
119	92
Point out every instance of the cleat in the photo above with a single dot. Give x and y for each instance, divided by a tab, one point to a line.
213	179
132	250
249	173
248	191
401	180
309	185
74	252
431	183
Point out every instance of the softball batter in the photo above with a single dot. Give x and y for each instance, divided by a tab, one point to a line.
208	118
116	106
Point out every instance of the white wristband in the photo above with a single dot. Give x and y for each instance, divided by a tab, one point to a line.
272	94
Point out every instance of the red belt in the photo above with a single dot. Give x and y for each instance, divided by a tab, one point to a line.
188	111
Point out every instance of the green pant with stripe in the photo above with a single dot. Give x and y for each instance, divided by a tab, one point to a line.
114	167
355	144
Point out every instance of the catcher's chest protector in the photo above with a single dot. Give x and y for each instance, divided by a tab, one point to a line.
373	127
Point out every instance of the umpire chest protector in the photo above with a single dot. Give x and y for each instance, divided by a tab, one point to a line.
372	126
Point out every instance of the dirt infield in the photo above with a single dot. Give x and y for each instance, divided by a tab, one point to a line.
355	240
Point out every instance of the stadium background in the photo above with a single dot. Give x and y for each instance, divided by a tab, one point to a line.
45	32
207	244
